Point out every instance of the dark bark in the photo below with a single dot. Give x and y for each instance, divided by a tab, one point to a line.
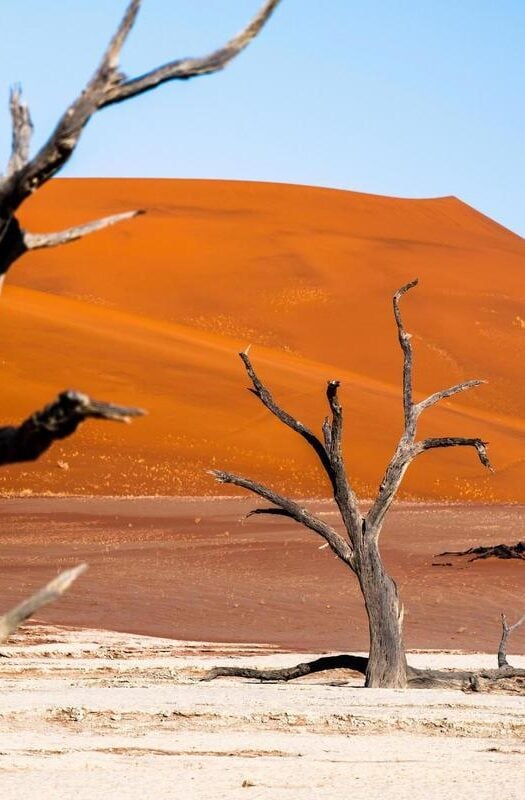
57	420
107	86
467	680
504	551
352	663
25	175
359	549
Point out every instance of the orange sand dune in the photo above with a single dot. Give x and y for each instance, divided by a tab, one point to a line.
153	312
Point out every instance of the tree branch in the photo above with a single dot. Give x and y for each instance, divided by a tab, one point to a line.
438	396
52	591
185	68
36	241
455	441
348	662
56	421
301	515
505	551
406	346
277	512
407	448
17	241
266	398
344	495
506	632
22	129
109	86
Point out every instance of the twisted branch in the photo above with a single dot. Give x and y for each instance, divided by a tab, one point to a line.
329	453
455	441
107	86
56	421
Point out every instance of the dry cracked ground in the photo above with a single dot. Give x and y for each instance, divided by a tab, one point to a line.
94	714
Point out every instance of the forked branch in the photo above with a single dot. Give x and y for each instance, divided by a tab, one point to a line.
330	452
52	591
22	130
507	630
408	448
107	86
56	421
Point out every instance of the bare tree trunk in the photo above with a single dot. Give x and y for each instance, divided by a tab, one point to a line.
387	666
358	546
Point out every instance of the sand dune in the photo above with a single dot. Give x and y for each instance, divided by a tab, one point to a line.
153	312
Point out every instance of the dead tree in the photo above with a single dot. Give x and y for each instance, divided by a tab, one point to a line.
358	548
23	177
108	86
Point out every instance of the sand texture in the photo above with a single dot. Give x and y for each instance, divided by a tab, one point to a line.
196	569
94	714
153	312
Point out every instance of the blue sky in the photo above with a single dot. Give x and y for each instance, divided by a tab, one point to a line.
414	98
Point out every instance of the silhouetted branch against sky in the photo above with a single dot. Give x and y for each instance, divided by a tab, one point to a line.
407	99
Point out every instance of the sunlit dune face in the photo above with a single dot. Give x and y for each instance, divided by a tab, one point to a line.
154	311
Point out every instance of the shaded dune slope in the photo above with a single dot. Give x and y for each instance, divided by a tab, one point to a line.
153	312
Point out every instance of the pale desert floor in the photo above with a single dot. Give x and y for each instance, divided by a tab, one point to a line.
92	714
89	713
197	569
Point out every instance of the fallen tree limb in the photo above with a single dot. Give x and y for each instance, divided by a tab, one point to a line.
353	663
470	680
504	551
52	591
474	680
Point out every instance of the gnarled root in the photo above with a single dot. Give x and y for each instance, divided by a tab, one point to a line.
480	680
353	663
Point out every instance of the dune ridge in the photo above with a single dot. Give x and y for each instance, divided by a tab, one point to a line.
154	311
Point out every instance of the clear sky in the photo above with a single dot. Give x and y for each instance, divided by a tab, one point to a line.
415	98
